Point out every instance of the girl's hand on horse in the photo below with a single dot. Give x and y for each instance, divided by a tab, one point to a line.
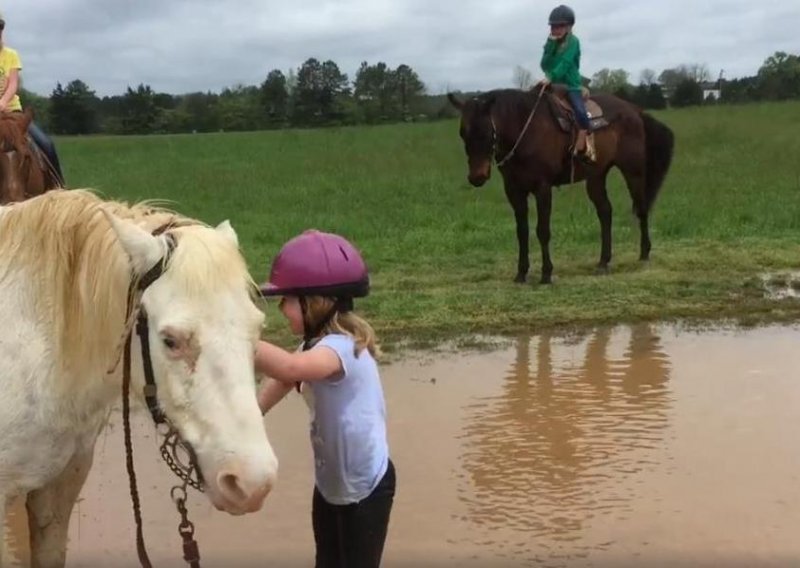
291	367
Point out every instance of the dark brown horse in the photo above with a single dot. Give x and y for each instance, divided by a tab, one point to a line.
24	171
530	135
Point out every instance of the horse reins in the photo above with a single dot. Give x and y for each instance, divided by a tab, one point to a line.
190	475
507	157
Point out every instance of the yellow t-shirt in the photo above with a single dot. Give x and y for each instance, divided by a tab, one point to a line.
9	59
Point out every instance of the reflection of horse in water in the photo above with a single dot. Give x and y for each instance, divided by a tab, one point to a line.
537	453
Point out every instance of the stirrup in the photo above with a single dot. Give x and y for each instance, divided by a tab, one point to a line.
588	154
574	147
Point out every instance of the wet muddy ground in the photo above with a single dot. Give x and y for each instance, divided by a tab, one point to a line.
643	446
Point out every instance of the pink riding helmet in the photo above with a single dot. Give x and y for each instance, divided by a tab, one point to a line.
318	264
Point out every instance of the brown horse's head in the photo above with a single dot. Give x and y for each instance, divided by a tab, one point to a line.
16	158
478	134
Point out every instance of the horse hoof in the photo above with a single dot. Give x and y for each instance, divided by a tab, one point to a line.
601	270
520	278
546	280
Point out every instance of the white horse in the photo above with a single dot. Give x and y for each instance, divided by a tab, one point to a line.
66	263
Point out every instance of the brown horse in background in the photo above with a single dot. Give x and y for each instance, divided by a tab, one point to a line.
24	170
530	135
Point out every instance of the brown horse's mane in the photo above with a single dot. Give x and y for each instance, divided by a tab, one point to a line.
13	127
32	176
509	101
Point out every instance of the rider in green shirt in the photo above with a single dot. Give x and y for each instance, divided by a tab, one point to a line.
561	62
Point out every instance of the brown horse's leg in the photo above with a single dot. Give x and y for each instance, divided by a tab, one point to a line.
544	199
636	188
519	202
644	239
596	188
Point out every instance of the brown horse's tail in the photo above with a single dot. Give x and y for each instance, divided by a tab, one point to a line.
659	144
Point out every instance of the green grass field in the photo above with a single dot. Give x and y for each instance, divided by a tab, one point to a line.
443	254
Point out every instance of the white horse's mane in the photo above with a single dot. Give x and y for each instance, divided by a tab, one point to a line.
79	273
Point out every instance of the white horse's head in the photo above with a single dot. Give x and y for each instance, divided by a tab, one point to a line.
203	328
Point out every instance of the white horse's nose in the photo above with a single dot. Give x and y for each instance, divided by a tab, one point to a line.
244	492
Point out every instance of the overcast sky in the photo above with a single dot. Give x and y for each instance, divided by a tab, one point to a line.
178	46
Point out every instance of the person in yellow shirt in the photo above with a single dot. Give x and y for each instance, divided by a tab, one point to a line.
10	66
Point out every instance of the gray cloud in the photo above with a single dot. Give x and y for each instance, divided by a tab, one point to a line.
178	46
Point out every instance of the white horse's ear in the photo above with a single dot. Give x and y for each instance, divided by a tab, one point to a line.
144	249
226	229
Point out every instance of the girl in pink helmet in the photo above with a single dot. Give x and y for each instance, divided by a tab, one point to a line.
317	276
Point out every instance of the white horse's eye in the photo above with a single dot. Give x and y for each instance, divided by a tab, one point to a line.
170	343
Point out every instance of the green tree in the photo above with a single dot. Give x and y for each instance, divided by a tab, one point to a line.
779	76
274	95
165	101
318	89
669	79
307	92
73	109
409	88
383	93
374	92
639	95
109	114
687	93
649	96
626	93
196	112
140	115
240	108
655	97
609	80
740	90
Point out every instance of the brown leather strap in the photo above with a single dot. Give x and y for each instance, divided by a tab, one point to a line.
144	560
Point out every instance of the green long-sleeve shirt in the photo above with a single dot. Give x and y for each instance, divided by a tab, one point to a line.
561	62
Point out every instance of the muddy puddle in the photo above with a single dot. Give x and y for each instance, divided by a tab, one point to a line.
643	446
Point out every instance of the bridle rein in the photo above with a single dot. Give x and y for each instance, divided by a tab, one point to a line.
173	445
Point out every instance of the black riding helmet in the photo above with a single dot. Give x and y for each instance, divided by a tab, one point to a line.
562	15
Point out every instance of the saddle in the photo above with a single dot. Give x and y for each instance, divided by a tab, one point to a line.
565	115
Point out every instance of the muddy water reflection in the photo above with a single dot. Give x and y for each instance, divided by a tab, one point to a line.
644	446
554	449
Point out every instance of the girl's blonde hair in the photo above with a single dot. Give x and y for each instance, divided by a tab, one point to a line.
347	323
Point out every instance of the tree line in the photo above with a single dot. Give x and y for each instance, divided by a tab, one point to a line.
318	93
778	78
